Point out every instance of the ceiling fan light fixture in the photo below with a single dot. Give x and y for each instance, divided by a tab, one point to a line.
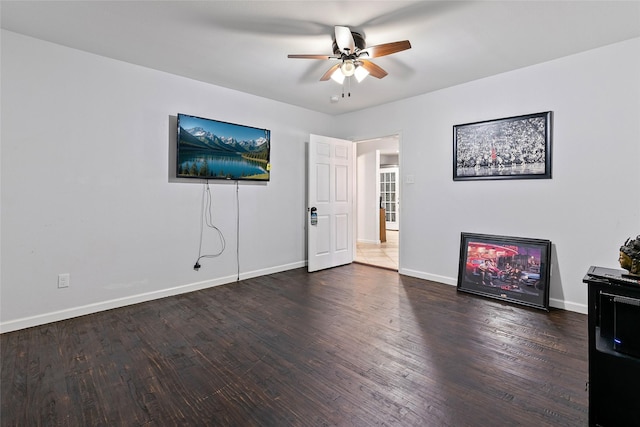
337	76
348	68
348	47
360	73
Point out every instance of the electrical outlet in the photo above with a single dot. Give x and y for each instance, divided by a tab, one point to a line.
63	280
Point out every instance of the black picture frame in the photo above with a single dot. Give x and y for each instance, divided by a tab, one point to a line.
516	147
513	269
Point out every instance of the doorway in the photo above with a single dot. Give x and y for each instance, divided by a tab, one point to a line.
378	201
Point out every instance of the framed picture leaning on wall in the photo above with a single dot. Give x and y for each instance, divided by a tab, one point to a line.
510	148
514	269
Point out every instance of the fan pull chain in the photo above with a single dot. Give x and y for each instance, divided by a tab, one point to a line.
348	80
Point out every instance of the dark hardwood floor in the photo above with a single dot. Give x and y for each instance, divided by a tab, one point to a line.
353	345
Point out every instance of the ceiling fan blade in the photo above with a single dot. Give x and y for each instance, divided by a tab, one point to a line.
386	49
327	75
302	56
373	69
344	39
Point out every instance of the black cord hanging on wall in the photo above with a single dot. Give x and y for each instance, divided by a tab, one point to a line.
206	218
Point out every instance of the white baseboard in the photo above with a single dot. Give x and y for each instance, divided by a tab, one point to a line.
427	276
373	242
569	306
56	316
555	303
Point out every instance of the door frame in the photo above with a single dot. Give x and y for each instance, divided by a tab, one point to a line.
389	141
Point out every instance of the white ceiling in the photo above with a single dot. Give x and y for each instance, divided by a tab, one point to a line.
244	45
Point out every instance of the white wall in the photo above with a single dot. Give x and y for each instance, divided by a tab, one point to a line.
587	210
87	189
87	186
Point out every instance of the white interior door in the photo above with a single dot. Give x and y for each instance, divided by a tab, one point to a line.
330	210
390	197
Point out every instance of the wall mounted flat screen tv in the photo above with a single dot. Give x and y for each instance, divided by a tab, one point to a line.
211	149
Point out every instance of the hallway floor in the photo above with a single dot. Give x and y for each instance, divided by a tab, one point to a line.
383	255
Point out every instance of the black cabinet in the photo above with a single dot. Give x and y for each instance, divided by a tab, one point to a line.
614	348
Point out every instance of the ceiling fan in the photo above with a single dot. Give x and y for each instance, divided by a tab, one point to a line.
350	50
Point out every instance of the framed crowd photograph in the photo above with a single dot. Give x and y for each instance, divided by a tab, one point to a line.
513	269
510	148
